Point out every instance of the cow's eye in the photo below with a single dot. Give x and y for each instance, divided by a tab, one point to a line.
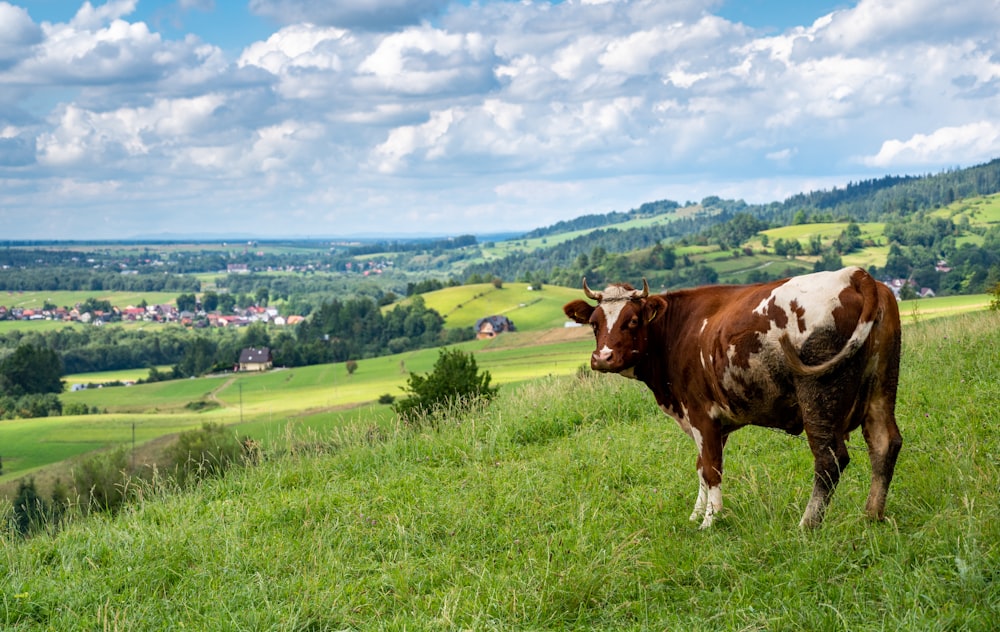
633	322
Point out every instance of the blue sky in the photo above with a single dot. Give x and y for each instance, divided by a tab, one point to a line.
299	118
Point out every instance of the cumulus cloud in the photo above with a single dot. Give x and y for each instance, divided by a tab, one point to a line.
17	34
530	110
979	141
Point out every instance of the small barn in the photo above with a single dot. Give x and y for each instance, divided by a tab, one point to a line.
253	359
490	326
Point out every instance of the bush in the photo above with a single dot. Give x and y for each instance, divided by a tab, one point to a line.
455	381
103	480
208	451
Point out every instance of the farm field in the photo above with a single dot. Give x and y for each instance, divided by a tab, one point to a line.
563	505
265	400
35	299
461	306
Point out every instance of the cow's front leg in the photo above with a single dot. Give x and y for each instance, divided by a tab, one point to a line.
709	502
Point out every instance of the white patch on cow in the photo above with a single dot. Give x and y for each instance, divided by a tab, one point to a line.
815	296
701	502
613	299
717	411
696	435
713	507
704	324
681	419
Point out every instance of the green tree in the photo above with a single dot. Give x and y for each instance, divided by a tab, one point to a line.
455	381
187	302
210	301
31	370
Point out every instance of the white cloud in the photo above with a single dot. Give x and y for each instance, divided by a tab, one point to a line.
17	33
451	109
974	142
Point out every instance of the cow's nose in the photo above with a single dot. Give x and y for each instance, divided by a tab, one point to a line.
603	354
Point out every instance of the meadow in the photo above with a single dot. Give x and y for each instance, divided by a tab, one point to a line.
562	505
259	404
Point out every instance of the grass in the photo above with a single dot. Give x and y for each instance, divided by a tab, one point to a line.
529	310
35	299
562	506
264	403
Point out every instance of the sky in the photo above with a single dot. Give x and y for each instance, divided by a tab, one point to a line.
296	118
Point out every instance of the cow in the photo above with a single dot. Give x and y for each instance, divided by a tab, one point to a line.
817	353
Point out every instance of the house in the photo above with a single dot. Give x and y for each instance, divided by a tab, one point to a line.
252	359
490	326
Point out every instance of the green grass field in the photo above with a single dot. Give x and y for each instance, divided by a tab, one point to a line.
35	300
530	310
562	506
270	399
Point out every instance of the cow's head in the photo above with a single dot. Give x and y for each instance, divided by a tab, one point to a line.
620	322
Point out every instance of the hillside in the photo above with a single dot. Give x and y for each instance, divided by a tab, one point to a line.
562	506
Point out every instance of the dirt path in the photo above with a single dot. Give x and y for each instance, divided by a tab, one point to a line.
214	394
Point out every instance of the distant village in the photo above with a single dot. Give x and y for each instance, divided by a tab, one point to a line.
153	314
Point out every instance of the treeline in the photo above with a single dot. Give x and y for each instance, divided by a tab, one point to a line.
357	328
76	279
558	263
599	220
879	199
412	245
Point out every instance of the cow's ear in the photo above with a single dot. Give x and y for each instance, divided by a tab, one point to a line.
654	307
579	311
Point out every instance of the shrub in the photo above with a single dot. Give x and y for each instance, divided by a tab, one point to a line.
455	381
208	451
103	480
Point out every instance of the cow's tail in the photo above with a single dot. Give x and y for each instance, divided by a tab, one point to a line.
867	287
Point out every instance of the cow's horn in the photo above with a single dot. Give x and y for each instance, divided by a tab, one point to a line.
594	296
645	288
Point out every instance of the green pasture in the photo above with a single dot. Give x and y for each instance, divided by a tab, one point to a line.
262	401
461	306
104	377
272	399
913	311
980	211
562	505
35	299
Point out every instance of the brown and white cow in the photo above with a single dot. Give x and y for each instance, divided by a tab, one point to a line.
818	353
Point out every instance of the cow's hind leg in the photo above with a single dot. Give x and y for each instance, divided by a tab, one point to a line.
884	442
830	458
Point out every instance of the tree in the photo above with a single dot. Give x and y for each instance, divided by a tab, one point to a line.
187	302
31	370
210	301
455	381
